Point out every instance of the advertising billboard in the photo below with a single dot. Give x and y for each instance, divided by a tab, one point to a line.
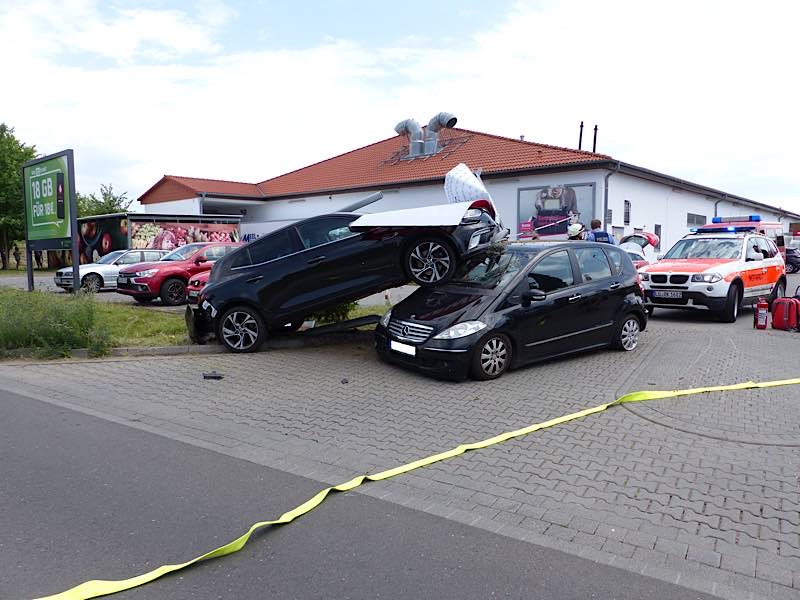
49	200
168	236
549	210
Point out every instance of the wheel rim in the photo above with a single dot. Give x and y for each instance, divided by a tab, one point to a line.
494	356
240	330
429	262
790	268
175	292
629	337
93	283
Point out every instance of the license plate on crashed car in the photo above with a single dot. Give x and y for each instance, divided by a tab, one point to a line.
122	280
403	348
193	294
667	294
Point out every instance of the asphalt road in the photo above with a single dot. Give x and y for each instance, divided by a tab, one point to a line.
85	498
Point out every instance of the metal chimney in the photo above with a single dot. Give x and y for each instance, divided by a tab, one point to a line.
443	119
416	144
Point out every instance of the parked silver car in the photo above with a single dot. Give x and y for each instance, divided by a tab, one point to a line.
103	273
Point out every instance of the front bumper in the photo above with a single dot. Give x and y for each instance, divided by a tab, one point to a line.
449	359
135	286
65	283
689	296
199	325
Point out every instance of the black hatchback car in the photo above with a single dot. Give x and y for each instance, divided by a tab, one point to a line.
522	303
319	263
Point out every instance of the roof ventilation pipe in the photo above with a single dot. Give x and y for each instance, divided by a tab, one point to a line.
412	129
443	119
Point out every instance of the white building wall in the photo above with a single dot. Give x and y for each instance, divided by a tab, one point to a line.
188	206
655	203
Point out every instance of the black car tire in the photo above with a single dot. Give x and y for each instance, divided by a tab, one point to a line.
626	333
241	329
731	310
142	300
173	292
491	357
429	261
778	292
92	283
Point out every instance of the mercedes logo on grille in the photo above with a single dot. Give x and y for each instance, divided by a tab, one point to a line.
404	330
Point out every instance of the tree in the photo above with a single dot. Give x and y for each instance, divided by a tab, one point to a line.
13	154
108	203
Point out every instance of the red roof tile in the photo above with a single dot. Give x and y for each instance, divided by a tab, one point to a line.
173	187
383	163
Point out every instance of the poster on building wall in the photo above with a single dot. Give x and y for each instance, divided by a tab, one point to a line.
98	237
549	210
168	236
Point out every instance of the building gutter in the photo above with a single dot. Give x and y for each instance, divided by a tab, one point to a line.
605	195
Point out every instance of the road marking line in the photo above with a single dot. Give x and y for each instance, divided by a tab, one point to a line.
96	587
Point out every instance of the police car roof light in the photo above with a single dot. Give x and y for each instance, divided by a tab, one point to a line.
749	218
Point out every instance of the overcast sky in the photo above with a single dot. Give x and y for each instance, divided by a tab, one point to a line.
705	91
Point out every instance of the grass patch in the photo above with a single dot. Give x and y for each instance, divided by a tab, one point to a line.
50	325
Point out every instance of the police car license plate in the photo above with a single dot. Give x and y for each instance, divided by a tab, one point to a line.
667	294
402	348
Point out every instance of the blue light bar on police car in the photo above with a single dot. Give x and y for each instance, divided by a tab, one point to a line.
750	218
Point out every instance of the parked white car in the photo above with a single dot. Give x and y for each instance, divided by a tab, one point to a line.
103	273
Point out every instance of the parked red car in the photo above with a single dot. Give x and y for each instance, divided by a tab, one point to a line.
196	283
167	279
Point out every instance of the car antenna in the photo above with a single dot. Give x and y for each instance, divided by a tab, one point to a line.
362	203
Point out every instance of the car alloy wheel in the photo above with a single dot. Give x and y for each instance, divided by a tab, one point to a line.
629	334
92	283
240	331
429	262
492	357
790	268
173	292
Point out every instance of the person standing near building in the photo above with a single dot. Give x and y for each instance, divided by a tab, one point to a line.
15	252
598	234
37	254
576	232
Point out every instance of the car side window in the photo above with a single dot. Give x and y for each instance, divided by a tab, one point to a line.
764	247
152	255
265	248
615	258
322	231
131	258
593	264
214	252
552	273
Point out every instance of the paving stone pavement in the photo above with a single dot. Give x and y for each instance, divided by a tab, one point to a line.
701	490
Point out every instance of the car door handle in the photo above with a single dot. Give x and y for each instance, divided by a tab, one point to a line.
575	298
254	278
614	286
316	260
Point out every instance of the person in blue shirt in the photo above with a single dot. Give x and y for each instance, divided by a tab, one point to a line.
597	234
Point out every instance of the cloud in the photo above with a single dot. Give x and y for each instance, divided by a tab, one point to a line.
699	91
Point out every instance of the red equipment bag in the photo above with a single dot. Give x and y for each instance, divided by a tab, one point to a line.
785	313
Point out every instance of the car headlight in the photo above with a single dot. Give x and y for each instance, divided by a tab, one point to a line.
460	330
707	277
385	318
473	213
147	273
644	276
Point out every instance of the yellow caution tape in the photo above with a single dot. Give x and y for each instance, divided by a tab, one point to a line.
95	588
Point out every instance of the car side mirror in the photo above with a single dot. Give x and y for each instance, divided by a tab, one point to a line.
200	259
534	295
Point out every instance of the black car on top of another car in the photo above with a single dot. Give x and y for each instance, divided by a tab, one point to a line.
519	303
319	263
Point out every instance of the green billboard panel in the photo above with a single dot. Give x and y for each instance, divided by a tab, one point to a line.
48	190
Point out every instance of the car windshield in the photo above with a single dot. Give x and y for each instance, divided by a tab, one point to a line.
496	268
183	252
110	257
706	248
